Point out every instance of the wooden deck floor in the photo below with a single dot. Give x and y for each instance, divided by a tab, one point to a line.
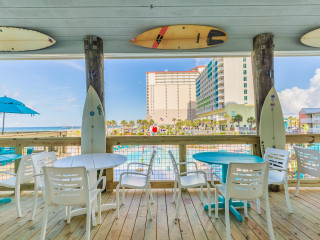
194	222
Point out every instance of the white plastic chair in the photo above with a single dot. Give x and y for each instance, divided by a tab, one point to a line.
136	180
40	160
308	163
24	175
189	179
70	187
245	181
278	160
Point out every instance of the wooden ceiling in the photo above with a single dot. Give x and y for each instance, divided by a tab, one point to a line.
117	21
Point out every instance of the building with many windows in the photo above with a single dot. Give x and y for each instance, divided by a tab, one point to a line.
226	81
309	120
172	94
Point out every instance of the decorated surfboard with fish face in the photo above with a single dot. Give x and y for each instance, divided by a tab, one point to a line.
272	129
93	130
13	39
181	37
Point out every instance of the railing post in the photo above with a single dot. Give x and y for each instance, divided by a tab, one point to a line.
17	150
183	157
109	171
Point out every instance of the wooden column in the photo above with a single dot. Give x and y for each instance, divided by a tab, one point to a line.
93	49
263	76
262	69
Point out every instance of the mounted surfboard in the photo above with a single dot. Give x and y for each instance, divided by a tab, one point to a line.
93	130
312	38
272	129
14	39
181	37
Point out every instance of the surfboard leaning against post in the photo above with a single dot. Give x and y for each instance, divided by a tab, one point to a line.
93	130
272	130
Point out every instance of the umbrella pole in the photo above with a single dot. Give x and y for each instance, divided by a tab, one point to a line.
4	115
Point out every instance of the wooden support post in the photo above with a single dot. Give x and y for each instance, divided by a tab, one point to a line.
262	69
17	150
183	157
93	49
263	76
109	172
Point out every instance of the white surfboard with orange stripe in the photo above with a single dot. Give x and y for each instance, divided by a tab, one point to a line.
181	37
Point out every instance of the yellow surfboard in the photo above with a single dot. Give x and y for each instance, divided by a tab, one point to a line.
181	37
14	39
312	38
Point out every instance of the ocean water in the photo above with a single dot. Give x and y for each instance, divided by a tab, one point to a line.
37	129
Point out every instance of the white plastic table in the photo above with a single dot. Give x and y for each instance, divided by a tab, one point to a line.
92	162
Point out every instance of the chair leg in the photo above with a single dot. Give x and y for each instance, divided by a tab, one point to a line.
148	202
298	184
68	209
286	192
228	232
117	200
150	192
35	200
88	221
44	222
123	195
174	192
258	206
209	199
201	194
17	199
99	208
271	234
216	201
178	202
245	208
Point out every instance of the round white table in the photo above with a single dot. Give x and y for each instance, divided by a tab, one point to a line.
92	162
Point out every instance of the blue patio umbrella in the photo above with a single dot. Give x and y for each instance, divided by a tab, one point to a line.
9	105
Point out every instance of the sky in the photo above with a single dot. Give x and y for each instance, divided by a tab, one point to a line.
56	88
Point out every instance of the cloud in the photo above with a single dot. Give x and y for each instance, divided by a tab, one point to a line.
202	61
73	64
293	99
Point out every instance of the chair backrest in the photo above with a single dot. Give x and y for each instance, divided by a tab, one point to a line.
247	180
278	159
308	161
25	170
40	160
151	165
175	166
66	186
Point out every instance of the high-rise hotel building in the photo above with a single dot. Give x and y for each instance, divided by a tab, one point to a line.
225	87
172	94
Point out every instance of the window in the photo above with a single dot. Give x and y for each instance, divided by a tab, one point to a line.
244	65
244	72
245	79
245	98
233	113
245	91
245	85
244	59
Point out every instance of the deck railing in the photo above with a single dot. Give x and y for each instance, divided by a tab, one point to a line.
139	148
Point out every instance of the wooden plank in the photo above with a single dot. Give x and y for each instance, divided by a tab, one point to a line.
173	225
150	231
162	230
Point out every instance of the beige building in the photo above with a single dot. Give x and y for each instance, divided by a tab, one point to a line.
226	81
172	94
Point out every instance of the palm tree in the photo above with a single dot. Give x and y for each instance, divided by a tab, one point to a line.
251	121
214	125
124	124
168	127
151	122
205	122
145	126
108	123
131	124
197	123
227	117
162	127
113	124
238	118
